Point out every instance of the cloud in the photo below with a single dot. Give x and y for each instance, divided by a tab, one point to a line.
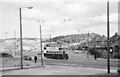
59	0
75	8
54	13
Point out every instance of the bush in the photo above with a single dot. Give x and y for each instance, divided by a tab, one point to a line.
92	51
116	56
98	53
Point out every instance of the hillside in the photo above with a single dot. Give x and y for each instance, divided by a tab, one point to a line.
12	44
76	38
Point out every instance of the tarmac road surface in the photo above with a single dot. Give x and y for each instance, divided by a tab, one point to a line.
58	70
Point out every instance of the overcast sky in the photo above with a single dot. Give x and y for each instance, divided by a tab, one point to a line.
61	17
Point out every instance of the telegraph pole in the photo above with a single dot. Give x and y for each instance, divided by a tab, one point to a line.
119	40
50	38
41	46
108	42
21	47
88	45
15	43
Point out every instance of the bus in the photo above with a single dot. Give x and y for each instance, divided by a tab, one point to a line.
55	51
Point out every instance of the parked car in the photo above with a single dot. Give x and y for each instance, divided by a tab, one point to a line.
27	58
76	51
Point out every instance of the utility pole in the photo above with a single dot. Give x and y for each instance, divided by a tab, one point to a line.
88	45
15	43
119	40
41	46
21	47
50	38
108	42
21	43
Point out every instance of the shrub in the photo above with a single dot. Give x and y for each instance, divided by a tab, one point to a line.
92	51
117	56
98	53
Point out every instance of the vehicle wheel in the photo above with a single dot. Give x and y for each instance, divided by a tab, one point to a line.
61	57
67	57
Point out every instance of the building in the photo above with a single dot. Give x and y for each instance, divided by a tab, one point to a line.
114	41
99	43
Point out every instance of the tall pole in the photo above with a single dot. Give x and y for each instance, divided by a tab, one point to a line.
41	46
15	42
21	44
88	45
50	35
108	43
119	40
50	38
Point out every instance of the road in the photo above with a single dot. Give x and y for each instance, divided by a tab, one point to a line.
81	59
77	64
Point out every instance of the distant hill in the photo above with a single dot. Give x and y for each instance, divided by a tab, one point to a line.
76	38
68	38
1	40
12	44
33	43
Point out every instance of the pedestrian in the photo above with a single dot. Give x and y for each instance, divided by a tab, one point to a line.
95	56
35	58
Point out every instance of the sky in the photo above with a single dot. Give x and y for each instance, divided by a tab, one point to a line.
56	17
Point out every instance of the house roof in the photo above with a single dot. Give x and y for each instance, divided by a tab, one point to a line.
116	42
114	37
101	39
93	40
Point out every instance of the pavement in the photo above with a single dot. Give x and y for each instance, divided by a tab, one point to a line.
61	69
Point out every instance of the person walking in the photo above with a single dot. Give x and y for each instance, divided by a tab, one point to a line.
35	58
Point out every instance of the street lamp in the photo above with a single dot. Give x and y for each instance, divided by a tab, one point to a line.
41	44
21	44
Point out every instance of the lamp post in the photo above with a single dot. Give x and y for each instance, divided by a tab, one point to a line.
41	47
21	44
41	44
